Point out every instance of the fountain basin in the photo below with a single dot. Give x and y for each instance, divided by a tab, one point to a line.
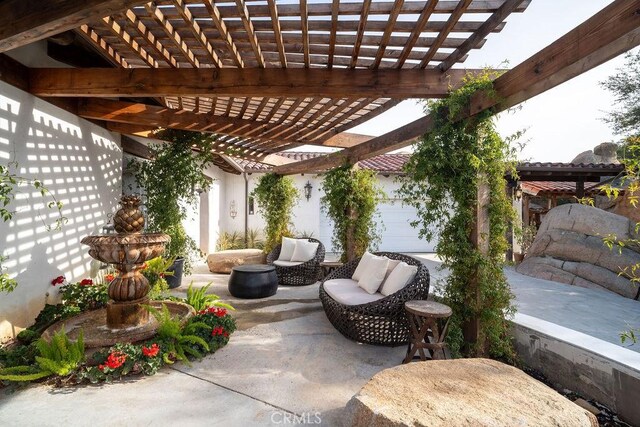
126	249
98	334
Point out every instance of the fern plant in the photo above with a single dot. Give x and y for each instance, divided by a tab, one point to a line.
180	342
199	299
61	357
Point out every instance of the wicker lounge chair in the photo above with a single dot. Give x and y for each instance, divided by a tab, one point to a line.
381	322
302	274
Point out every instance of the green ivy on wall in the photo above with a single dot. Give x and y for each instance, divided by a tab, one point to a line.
170	181
350	199
276	196
441	182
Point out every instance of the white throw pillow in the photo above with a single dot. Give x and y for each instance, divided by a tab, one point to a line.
362	266
399	278
287	248
393	263
305	250
373	276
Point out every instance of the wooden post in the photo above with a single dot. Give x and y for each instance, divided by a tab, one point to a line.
525	209
480	239
580	189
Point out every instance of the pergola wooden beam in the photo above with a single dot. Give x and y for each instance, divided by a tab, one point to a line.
25	21
334	83
607	34
151	116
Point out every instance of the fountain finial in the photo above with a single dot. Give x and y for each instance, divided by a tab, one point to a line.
129	218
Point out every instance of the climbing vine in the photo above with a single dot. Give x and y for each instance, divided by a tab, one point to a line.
170	181
350	199
441	182
276	196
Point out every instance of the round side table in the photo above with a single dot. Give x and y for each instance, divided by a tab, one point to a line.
424	318
253	281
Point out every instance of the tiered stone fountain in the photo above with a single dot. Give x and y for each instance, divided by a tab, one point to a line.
125	318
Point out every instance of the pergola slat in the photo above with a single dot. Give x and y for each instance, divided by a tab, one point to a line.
425	14
129	41
391	22
335	7
249	28
275	19
360	32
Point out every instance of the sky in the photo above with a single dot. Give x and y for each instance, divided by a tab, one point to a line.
559	123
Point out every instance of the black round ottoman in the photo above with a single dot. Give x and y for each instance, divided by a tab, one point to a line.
253	281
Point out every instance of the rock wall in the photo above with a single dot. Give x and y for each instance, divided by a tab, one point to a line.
569	248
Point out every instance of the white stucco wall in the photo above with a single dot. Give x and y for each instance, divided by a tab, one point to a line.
81	164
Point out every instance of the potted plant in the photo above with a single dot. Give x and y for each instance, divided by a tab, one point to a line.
170	181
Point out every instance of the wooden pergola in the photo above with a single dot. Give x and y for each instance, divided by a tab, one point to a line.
268	76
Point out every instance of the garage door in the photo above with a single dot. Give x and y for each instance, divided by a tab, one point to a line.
397	236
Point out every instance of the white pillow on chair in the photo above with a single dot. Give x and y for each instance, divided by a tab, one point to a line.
362	266
304	251
287	248
373	276
402	275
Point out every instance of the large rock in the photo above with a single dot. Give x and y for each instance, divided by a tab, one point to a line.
569	248
224	261
462	392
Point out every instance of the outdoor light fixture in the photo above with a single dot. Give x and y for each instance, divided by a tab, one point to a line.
518	192
233	210
307	190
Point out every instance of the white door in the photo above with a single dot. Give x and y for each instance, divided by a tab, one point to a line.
397	235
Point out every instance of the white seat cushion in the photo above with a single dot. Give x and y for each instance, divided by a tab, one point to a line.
362	266
287	248
286	263
347	292
305	250
400	277
374	275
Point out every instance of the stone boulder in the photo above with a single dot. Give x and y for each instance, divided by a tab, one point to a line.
462	392
569	248
224	261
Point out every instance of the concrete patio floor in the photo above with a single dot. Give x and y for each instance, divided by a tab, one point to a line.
285	359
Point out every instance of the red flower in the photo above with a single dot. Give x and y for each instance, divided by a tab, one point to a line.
216	311
86	282
115	360
143	266
162	275
58	280
109	277
219	330
151	351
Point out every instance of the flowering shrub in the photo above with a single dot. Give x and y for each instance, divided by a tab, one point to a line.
221	326
123	359
85	295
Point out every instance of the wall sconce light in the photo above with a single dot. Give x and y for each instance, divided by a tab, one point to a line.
233	210
518	192
307	190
